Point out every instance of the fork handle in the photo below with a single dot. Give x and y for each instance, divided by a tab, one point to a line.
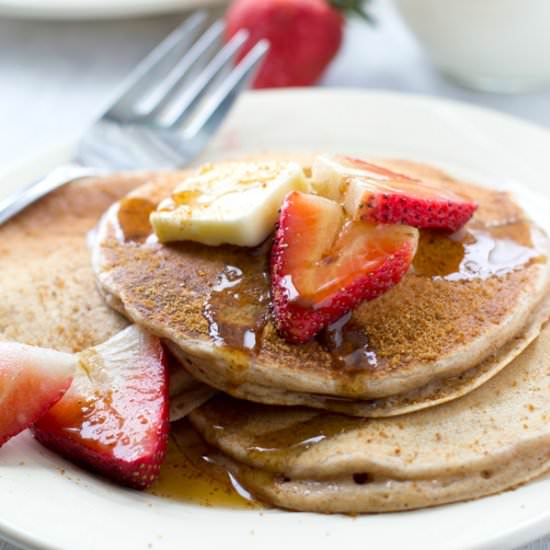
60	176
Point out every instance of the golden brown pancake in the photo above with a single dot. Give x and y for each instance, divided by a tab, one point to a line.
472	301
495	438
49	296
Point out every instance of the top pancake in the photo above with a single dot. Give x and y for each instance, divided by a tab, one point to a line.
467	295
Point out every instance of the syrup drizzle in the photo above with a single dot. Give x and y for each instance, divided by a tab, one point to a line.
192	473
477	252
133	219
299	436
294	429
348	345
237	307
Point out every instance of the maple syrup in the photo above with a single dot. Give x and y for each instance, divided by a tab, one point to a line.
237	307
476	252
191	474
299	436
348	345
294	429
133	219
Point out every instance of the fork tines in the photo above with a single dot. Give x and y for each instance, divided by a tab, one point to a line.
188	81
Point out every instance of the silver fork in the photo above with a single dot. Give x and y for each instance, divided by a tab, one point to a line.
165	113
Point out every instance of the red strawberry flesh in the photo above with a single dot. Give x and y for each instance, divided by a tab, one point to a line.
114	419
324	265
31	381
378	195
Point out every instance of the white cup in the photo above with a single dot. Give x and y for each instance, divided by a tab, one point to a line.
493	45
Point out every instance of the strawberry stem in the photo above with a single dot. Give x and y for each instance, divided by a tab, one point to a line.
355	7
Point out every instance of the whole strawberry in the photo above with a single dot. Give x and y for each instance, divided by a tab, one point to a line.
304	36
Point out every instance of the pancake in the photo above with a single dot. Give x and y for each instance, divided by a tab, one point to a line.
495	438
49	296
472	302
48	292
434	393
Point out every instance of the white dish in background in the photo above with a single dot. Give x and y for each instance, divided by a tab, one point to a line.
41	507
495	45
91	9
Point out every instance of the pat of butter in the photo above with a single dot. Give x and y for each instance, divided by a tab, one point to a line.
230	203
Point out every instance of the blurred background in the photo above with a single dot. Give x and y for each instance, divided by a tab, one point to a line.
61	59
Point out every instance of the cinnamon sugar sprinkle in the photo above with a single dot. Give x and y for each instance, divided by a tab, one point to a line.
460	286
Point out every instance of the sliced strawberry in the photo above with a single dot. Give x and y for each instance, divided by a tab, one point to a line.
375	194
323	266
31	381
114	418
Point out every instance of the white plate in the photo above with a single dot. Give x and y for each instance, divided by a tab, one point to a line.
42	508
87	9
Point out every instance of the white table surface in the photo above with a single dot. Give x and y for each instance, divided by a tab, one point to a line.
55	75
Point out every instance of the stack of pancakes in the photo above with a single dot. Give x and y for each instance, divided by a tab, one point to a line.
432	393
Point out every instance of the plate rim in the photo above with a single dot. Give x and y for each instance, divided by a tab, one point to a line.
65	10
513	536
65	145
